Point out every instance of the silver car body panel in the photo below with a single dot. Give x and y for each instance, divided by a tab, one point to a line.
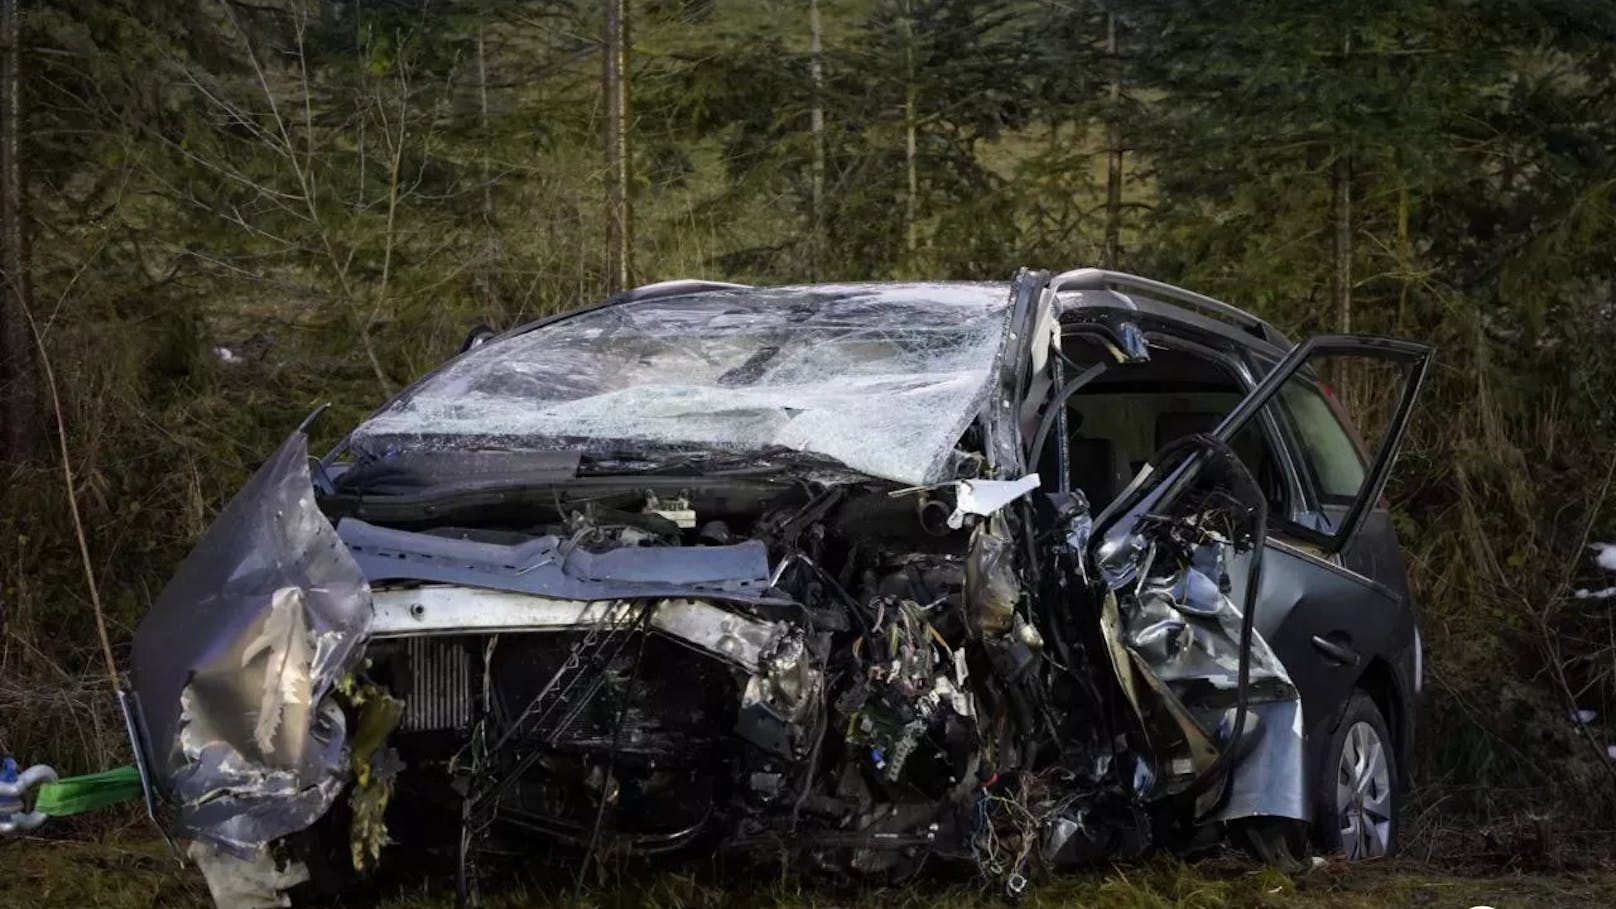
441	610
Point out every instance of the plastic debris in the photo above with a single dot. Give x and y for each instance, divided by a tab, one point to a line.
1604	557
984	497
78	794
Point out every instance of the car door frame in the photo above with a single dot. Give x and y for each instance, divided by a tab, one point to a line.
1378	471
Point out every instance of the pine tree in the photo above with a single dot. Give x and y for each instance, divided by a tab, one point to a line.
17	396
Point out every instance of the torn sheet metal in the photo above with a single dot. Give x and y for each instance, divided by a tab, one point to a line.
991	586
1270	782
1188	630
1184	632
1176	620
552	566
234	661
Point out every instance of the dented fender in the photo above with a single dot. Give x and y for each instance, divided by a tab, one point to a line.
233	663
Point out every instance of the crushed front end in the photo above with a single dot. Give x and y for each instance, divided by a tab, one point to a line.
793	658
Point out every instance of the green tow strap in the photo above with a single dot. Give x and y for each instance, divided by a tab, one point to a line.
78	794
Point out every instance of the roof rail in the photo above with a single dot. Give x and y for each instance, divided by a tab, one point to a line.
1102	279
678	287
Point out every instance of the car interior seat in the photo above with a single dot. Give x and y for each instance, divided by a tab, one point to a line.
1098	470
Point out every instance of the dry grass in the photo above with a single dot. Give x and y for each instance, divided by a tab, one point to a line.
137	874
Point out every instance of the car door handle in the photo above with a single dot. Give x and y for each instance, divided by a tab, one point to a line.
1338	653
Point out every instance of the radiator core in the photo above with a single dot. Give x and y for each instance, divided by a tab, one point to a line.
440	685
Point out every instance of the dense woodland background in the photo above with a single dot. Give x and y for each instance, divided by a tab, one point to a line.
216	215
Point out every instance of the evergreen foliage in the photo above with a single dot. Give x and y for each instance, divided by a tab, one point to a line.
238	211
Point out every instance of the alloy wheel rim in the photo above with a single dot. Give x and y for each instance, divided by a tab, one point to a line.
1364	794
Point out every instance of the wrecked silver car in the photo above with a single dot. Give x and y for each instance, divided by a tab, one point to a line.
1020	575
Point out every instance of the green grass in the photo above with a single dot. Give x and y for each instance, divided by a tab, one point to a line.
138	874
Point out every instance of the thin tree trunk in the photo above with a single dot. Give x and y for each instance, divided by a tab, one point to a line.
614	81
360	55
1341	208
490	254
911	98
17	392
1341	205
1113	148
816	124
1405	264
482	127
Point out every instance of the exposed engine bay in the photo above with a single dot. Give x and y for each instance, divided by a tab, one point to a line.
884	692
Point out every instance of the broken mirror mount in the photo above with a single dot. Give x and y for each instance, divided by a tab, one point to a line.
1122	339
1131	341
479	335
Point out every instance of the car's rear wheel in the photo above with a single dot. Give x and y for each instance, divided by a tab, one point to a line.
1358	797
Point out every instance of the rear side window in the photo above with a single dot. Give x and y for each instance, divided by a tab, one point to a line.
1331	455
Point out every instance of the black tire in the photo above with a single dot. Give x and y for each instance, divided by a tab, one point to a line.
1357	796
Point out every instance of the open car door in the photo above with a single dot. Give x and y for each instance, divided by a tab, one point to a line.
1238	636
1300	385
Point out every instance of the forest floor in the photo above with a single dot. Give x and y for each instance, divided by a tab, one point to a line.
138	874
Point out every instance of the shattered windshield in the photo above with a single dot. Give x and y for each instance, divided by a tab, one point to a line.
882	378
